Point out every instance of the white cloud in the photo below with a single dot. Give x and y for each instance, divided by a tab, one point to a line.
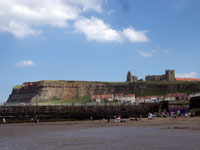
25	17
167	51
25	63
96	29
88	4
147	53
135	36
19	30
110	12
150	53
187	75
22	17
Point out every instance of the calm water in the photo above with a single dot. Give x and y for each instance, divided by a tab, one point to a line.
104	138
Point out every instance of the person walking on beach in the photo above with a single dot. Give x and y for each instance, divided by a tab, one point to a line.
91	118
150	116
109	118
4	120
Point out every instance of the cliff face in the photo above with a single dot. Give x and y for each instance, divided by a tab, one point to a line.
68	90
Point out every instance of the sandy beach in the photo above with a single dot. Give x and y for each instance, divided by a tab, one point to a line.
158	133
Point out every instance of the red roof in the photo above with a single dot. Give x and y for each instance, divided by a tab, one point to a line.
130	95
101	96
139	98
148	97
93	96
187	79
171	95
109	95
176	95
180	94
118	94
155	96
98	96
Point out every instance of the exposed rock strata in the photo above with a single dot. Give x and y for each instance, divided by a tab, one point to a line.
66	90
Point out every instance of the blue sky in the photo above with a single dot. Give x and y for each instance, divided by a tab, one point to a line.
96	40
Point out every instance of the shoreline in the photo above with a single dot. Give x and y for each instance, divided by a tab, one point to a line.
99	134
157	121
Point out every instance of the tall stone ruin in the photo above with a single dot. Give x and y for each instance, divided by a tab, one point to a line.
168	76
130	77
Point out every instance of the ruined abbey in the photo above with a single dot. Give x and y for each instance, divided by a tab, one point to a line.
130	77
168	76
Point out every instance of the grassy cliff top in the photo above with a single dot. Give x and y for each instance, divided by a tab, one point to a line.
17	87
152	83
105	82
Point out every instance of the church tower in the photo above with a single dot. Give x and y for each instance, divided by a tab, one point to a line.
129	77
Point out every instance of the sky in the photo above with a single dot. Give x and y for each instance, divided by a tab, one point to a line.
96	40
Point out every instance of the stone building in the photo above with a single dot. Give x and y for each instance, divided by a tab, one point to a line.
168	76
120	97
130	77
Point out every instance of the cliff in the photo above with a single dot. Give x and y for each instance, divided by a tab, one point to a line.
29	92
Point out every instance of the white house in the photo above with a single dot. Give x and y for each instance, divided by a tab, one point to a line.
125	98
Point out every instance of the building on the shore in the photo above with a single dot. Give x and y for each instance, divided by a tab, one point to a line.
148	99
102	98
168	97
139	100
130	98
122	98
176	96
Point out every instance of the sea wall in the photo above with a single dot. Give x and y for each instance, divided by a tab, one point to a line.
75	112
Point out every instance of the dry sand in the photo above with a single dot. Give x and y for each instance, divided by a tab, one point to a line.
158	133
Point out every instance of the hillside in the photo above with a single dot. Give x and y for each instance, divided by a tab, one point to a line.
41	91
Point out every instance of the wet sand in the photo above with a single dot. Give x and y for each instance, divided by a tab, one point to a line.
156	134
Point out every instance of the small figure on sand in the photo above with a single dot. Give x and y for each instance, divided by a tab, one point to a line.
132	118
91	118
150	116
108	118
4	120
117	119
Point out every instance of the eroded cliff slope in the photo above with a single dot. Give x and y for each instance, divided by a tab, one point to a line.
29	92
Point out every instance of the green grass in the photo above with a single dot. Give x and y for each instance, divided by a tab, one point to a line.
17	87
56	100
63	101
63	82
